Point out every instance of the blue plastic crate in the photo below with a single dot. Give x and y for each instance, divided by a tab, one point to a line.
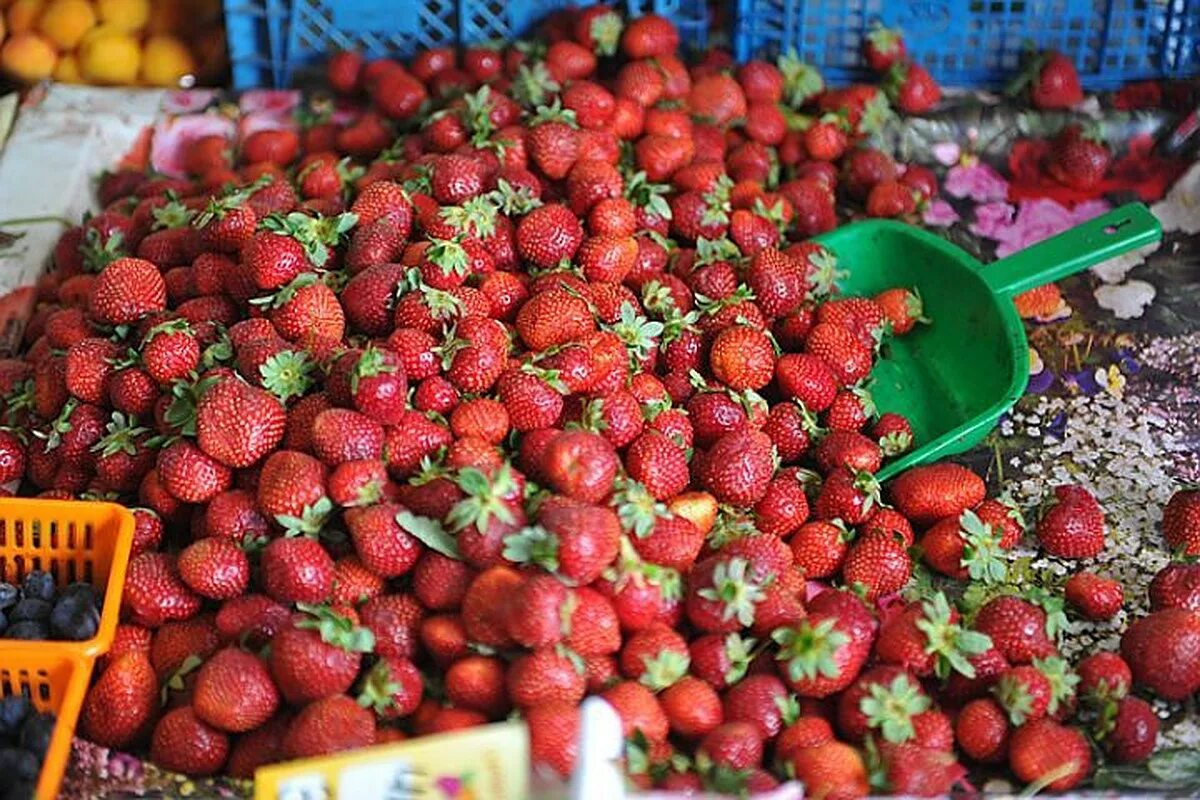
980	42
271	42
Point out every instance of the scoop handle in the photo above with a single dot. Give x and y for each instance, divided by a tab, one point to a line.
1099	239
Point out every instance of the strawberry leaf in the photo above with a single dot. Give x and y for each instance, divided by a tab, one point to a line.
431	533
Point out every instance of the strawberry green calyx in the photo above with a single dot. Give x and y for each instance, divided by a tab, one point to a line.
512	200
18	401
175	681
740	652
449	256
876	114
1014	697
181	412
553	113
639	334
218	207
1062	678
947	641
533	544
285	295
315	234
648	196
605	30
377	691
121	437
58	426
801	82
810	650
637	509
485	498
430	532
890	709
884	40
709	251
173	214
476	216
532	85
717	205
737	589
99	254
1054	606
477	114
664	669
982	554
730	525
336	629
311	520
371	363
896	442
287	374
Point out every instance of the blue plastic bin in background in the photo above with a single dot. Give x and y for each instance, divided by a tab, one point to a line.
979	43
271	41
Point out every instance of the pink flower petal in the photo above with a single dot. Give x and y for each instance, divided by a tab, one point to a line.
977	181
940	214
173	135
187	100
947	153
264	121
280	101
991	219
1089	209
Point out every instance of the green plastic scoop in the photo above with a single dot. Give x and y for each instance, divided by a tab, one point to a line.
954	378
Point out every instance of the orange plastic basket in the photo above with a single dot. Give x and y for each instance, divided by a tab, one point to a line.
74	541
54	681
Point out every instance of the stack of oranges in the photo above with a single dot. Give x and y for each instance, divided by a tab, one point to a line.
112	42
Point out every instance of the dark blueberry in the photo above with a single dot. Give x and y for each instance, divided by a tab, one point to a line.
3	622
19	763
39	585
82	590
36	733
19	790
9	595
74	617
13	710
29	630
29	609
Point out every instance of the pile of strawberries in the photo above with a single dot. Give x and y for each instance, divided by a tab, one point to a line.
526	385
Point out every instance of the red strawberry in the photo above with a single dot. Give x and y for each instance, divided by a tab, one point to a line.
1134	732
824	654
1047	752
692	707
121	704
329	725
554	734
237	424
738	467
215	568
1176	586
296	569
649	36
1055	82
1161	650
1078	158
926	638
808	379
1181	521
742	358
318	655
545	676
382	538
580	465
234	691
183	743
1103	675
913	89
982	731
849	359
638	709
1020	630
154	592
1073	525
883	47
573	539
928	493
1095	597
126	290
